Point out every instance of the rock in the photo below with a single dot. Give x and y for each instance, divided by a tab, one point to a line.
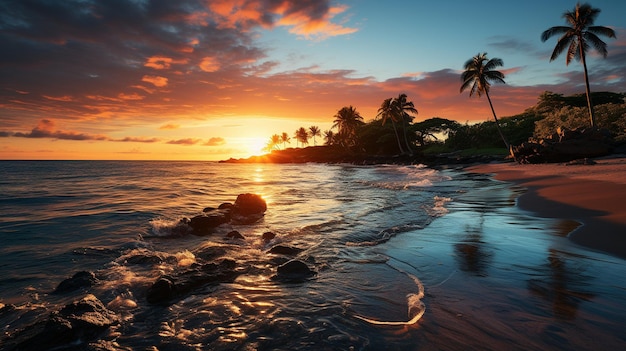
225	206
247	204
293	271
203	224
82	279
284	250
235	235
75	324
167	288
267	236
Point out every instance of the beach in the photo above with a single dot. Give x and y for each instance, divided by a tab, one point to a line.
592	195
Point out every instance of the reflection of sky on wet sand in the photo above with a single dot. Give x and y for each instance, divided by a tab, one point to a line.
494	273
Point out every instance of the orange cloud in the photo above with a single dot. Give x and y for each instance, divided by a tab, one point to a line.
209	64
301	24
217	141
162	62
157	81
169	126
187	141
59	98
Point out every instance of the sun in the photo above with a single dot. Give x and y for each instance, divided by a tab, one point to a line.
254	146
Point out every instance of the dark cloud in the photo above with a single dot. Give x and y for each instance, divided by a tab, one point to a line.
5	134
46	129
137	140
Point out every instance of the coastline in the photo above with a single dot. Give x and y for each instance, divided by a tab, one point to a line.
592	195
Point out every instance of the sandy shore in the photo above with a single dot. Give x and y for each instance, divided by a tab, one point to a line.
594	195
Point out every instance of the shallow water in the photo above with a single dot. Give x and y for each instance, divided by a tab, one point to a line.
407	258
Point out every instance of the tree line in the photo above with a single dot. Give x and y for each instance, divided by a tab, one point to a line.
479	74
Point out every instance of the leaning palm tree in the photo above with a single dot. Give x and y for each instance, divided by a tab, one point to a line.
385	112
402	108
577	40
285	139
313	132
347	120
478	76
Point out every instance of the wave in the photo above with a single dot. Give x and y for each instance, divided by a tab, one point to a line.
415	307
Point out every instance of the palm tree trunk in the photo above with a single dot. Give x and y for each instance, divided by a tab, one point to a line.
397	137
406	140
587	90
508	146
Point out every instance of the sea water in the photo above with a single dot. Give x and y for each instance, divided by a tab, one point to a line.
406	258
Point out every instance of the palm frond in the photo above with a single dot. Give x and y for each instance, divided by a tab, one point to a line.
596	42
549	33
600	30
561	44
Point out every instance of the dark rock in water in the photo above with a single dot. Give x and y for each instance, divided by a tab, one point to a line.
284	250
267	236
205	223
249	204
75	324
162	290
224	206
293	271
209	253
235	235
82	279
168	288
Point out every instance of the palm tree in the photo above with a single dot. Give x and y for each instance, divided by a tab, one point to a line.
313	132
329	137
274	141
479	76
302	136
285	139
577	40
386	113
402	108
347	120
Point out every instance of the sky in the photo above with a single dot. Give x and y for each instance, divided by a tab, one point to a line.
215	79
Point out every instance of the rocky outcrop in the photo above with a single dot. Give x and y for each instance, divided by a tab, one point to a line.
75	324
564	146
80	280
170	287
247	209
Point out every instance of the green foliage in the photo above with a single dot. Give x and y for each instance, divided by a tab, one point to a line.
609	116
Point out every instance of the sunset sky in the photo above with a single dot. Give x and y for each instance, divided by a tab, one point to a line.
214	79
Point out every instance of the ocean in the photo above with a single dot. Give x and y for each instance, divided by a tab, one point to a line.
405	257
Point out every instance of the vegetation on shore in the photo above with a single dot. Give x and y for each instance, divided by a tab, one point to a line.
357	141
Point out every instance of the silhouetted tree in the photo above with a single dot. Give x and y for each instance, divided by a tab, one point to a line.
385	112
403	108
577	39
313	132
329	137
347	120
478	76
285	139
302	136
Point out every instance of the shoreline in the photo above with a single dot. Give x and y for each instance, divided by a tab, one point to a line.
593	195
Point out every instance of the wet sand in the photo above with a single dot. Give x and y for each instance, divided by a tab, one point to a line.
593	195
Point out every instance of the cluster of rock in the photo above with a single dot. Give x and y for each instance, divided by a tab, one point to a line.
247	209
84	321
565	145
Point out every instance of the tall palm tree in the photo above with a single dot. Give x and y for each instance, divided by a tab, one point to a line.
385	112
302	136
347	120
577	38
478	75
285	139
313	132
402	108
